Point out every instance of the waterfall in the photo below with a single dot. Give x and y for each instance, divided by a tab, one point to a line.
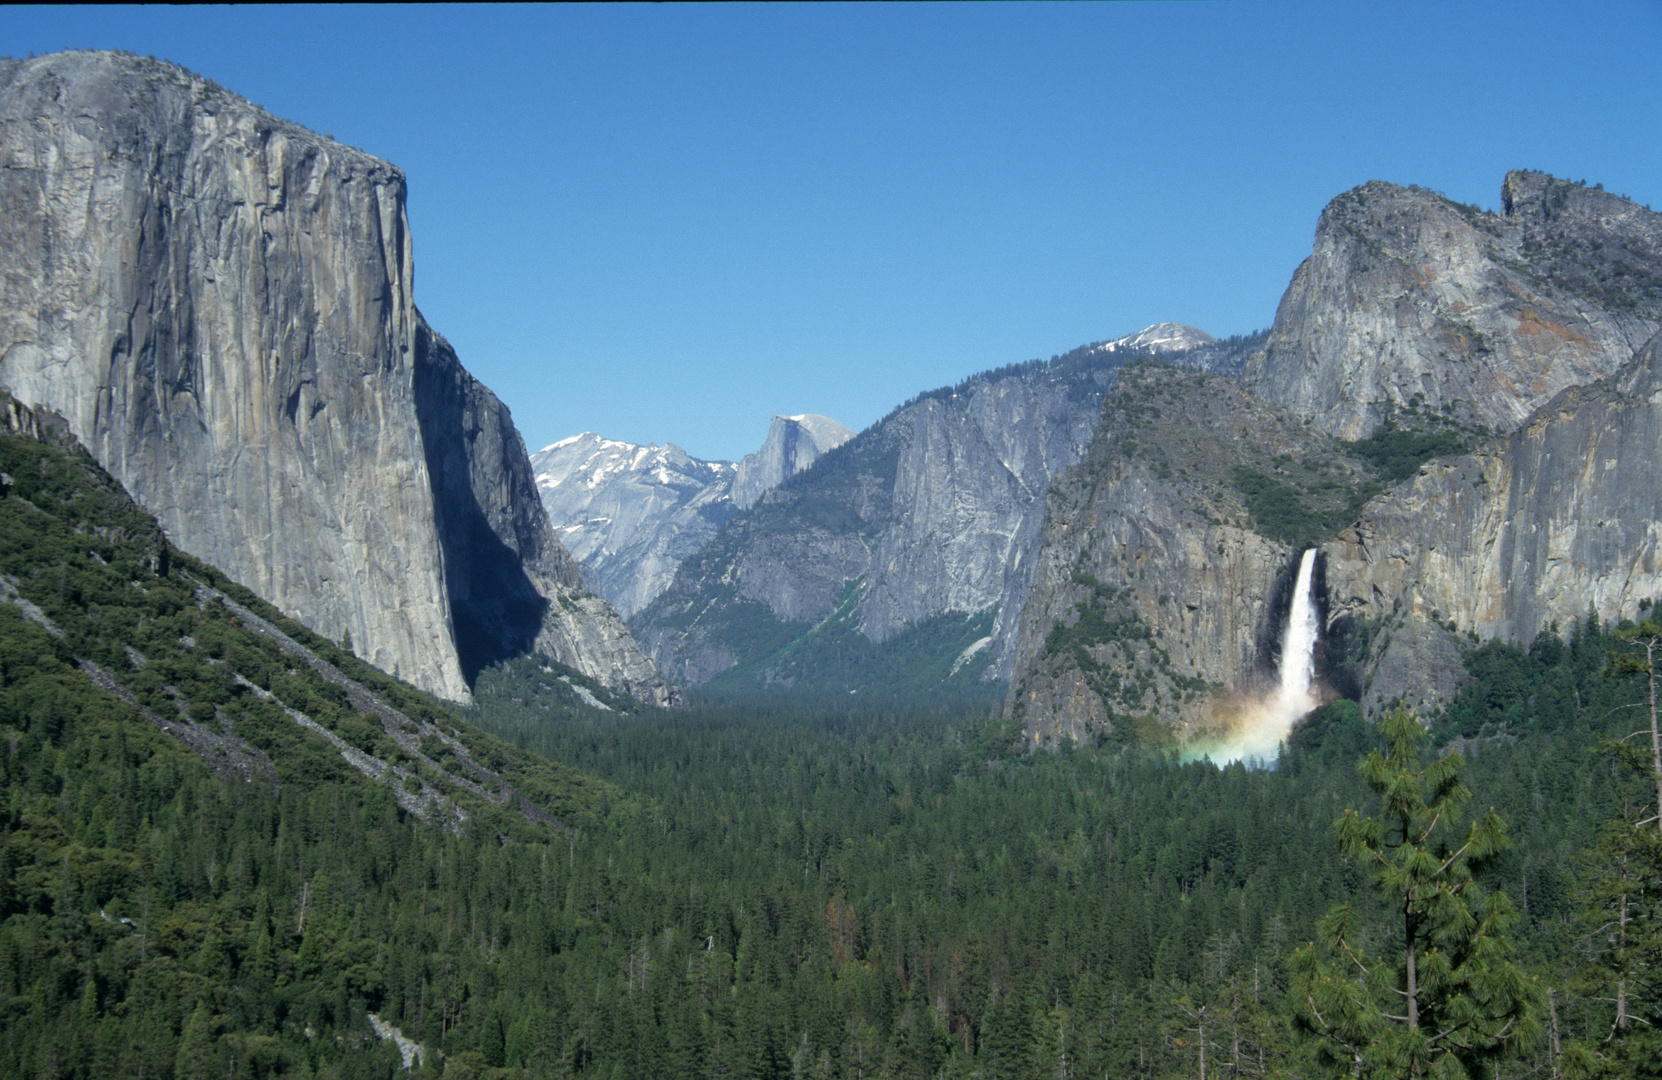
1298	646
1262	724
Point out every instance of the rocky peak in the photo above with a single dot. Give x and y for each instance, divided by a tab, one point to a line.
793	444
1162	339
1411	299
629	514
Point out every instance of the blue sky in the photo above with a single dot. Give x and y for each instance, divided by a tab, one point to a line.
668	223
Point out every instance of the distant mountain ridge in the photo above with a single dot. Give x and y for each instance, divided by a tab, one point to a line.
931	514
630	514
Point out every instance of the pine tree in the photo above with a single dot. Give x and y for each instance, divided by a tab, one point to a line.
1645	642
1622	903
1622	894
1436	993
198	1056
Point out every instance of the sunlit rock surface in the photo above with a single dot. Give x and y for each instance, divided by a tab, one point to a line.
1409	297
221	303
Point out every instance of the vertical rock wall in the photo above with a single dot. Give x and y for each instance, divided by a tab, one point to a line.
221	304
1562	517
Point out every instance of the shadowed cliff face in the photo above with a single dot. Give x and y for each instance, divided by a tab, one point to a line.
496	608
220	303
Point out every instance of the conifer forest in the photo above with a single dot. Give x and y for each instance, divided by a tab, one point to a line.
546	883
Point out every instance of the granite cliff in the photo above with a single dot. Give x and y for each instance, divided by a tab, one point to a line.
630	514
1449	404
1409	298
917	534
221	305
793	443
1562	517
1164	554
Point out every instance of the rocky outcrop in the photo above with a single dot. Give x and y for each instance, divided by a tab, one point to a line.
1560	518
793	444
1155	582
933	511
221	304
1409	298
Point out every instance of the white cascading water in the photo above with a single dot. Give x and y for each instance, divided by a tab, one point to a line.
1298	646
1261	728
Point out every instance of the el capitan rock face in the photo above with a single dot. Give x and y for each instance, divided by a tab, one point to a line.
221	303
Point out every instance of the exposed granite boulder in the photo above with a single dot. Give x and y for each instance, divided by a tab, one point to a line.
221	304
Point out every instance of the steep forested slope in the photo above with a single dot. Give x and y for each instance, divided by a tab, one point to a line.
223	841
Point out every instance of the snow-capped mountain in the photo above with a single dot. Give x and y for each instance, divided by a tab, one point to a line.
630	514
1166	337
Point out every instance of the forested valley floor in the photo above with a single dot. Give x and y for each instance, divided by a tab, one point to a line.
722	891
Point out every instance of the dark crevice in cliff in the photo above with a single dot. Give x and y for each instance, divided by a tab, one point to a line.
495	609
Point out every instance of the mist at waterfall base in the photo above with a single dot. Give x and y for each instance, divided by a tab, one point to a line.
1253	728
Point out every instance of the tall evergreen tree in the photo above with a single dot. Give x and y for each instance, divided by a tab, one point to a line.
1436	993
1622	892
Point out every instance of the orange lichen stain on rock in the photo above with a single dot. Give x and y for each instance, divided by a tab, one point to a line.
1531	322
